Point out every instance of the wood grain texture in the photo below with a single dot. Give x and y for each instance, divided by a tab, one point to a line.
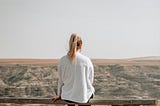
91	102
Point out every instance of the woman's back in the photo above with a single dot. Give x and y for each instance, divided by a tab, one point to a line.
77	78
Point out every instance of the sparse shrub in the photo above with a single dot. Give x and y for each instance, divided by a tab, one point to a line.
15	75
34	90
116	67
153	67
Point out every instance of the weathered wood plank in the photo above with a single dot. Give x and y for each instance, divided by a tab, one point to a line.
91	102
110	102
29	101
144	102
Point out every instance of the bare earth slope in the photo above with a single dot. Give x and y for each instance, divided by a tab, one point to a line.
123	78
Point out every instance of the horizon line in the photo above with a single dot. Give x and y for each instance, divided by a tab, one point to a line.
136	57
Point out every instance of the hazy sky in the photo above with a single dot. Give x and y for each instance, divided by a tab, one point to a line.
109	28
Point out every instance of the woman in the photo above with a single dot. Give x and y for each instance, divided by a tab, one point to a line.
75	74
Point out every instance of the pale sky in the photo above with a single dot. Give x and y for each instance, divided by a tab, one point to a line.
109	28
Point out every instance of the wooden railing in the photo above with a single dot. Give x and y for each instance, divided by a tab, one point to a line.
91	102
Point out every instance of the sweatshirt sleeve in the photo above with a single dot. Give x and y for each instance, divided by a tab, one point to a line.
91	74
60	83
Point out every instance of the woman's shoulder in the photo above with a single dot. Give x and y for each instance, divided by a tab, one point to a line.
83	58
63	59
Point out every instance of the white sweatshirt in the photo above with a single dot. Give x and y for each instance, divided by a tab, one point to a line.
75	79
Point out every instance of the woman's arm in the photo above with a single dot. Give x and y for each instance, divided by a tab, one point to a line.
60	84
91	74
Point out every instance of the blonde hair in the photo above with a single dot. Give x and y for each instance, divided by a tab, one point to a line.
75	44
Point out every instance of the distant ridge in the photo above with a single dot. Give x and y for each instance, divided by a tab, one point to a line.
29	61
95	61
147	58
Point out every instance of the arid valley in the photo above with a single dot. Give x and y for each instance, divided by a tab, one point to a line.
137	78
